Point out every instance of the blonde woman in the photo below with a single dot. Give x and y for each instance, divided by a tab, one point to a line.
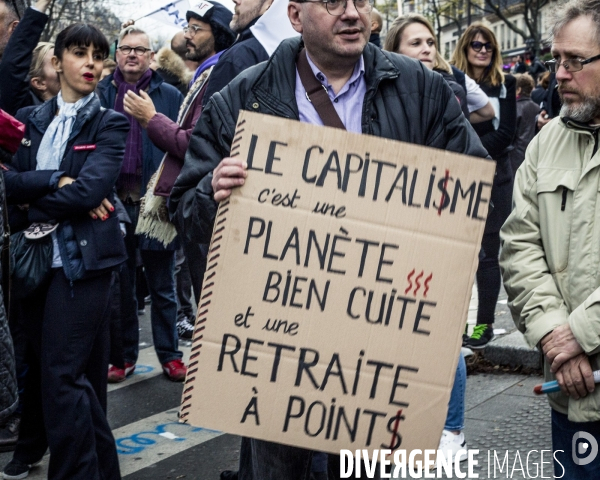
412	35
43	79
479	55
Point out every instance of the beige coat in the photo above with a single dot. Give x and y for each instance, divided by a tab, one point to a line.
550	257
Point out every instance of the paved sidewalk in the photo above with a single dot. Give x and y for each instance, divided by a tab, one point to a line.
504	419
509	347
503	415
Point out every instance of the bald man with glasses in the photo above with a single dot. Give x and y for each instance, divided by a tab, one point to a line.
372	92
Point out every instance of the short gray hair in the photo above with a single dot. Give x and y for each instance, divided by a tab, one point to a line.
573	9
133	30
15	8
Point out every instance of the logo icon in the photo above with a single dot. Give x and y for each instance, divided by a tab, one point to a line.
584	451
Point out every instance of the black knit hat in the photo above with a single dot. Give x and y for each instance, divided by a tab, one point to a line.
212	13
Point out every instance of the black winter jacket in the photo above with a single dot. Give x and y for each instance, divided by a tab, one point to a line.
498	143
167	100
459	91
15	92
93	156
246	52
403	101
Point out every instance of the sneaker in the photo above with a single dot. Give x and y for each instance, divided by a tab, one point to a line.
118	375
175	370
16	470
185	329
480	337
465	335
453	443
9	433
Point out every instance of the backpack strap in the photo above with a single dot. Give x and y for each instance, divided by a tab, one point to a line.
316	93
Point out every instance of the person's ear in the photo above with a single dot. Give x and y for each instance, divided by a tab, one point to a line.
295	16
56	64
12	25
39	84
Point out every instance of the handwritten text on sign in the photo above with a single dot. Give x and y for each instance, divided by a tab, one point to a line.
336	291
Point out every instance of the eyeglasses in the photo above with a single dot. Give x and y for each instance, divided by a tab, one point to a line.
338	7
477	46
194	30
126	50
571	64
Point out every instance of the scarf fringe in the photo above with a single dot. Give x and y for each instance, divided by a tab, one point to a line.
154	217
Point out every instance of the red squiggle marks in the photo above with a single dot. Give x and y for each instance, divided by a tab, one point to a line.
427	280
417	282
409	288
446	178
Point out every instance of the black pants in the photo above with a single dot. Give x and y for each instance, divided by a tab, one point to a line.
195	255
488	277
64	404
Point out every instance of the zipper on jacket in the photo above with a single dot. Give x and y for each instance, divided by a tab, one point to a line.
367	117
564	199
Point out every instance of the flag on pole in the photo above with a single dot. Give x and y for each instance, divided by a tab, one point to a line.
172	13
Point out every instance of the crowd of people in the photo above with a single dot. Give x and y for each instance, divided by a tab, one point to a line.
113	170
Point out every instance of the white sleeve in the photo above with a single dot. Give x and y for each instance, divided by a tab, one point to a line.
476	99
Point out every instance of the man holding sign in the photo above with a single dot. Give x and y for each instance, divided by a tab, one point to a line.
369	91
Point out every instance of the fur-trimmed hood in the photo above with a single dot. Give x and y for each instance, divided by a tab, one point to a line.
168	60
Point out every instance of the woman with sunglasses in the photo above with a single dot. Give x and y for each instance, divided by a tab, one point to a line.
412	35
64	175
478	55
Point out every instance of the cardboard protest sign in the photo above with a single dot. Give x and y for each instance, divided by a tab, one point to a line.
337	288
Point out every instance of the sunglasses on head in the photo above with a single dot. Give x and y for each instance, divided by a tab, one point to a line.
477	46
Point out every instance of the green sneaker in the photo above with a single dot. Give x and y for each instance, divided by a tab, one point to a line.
480	337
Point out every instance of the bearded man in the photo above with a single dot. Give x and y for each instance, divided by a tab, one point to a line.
551	243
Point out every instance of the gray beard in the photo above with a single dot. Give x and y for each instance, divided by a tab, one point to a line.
584	112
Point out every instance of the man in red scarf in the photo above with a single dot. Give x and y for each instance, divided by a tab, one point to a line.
142	158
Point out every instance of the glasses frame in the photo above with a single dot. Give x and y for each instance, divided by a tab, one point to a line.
488	46
326	2
554	64
134	49
195	29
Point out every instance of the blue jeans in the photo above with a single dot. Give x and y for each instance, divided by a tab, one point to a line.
563	431
159	266
455	420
